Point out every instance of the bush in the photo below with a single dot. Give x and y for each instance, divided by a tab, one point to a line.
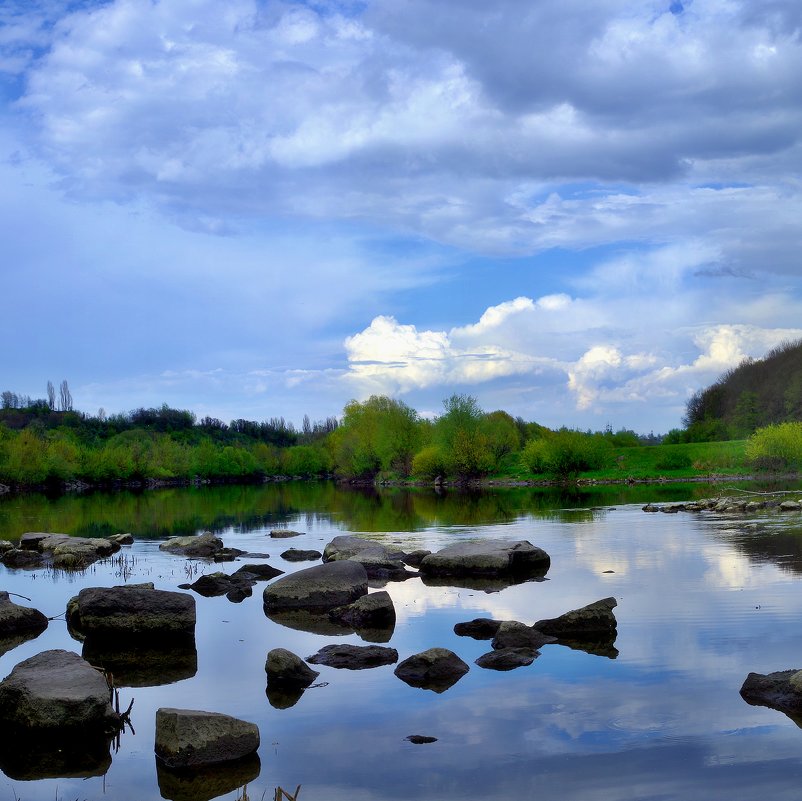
429	463
567	453
776	447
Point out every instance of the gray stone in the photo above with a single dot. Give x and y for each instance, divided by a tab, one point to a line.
24	558
594	620
261	572
379	560
203	546
322	587
30	540
237	586
5	546
296	555
481	628
354	657
77	553
121	539
512	634
56	691
132	612
507	658
188	738
488	558
370	611
283	667
790	506
414	558
436	669
781	691
16	619
227	554
284	533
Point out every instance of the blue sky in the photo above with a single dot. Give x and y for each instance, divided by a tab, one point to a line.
576	211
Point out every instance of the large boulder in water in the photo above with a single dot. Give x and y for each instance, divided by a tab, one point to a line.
354	657
379	560
318	588
56	692
127	612
18	624
188	738
512	634
202	546
286	668
486	558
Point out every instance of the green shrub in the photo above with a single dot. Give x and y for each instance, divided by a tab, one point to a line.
674	460
429	463
567	453
776	447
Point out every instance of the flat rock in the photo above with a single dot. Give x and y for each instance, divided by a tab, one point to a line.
421	739
507	658
77	553
592	621
188	738
54	692
512	634
297	555
261	571
379	560
203	546
227	554
481	628
354	657
236	587
781	691
487	558
132	612
284	533
283	667
436	669
322	587
22	558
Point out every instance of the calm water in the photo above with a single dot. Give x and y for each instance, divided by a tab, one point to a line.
702	599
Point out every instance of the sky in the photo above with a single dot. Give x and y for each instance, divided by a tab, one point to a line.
578	211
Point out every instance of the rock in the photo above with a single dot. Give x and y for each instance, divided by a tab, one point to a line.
370	611
5	546
283	667
204	784
414	558
354	657
594	620
380	561
507	658
489	558
512	634
227	554
436	669
188	738
481	628
55	692
127	612
121	539
24	558
261	572
18	624
296	555
421	739
321	588
78	553
203	546
781	691
790	506
30	540
651	507
213	584
284	533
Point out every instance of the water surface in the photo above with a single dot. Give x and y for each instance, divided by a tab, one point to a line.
702	600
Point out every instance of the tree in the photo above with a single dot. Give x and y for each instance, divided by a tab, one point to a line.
51	396
65	398
459	436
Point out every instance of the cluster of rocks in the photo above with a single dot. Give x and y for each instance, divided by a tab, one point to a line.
61	551
728	505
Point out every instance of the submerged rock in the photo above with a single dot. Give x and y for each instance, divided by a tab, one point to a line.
284	533
354	657
131	612
189	738
421	739
56	692
375	611
436	669
487	558
320	588
203	546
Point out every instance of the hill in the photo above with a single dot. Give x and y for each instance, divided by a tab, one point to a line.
756	393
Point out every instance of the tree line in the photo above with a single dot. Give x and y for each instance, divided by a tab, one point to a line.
376	439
